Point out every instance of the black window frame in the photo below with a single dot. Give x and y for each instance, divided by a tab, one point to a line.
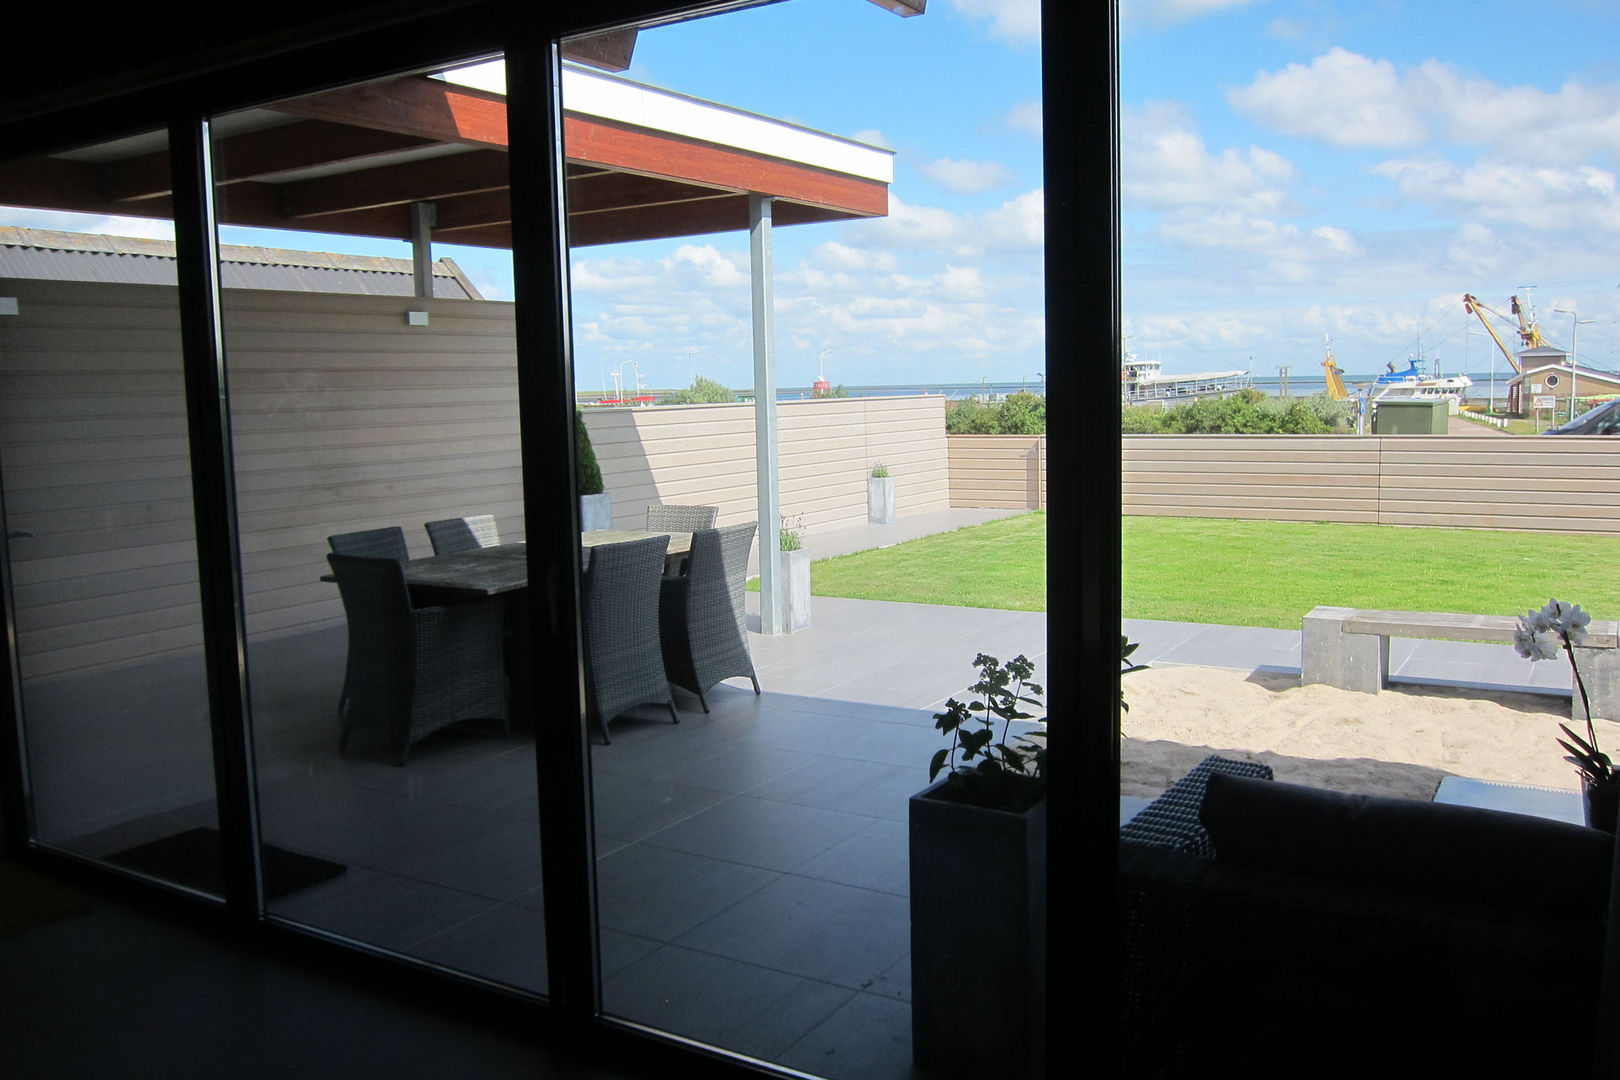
182	87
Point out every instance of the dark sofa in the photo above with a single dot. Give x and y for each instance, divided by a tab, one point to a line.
1343	935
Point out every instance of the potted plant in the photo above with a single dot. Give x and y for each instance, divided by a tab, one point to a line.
978	880
880	496
595	505
796	572
1539	636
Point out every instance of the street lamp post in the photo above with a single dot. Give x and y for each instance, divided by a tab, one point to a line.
1574	339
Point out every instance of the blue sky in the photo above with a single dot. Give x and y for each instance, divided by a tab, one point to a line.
1299	168
1291	169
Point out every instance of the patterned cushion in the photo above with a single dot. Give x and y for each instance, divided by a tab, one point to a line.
1172	820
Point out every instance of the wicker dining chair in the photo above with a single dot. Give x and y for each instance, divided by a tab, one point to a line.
386	543
415	670
701	620
455	535
624	665
670	517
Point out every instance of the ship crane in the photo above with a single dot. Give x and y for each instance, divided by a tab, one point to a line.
1529	332
1335	378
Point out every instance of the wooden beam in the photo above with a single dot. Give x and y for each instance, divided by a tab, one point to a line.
419	106
607	192
609	50
641	151
302	145
388	185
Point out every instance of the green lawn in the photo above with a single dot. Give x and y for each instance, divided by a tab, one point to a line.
1000	564
1247	573
1270	573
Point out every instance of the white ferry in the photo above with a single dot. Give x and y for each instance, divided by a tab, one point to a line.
1144	382
1414	385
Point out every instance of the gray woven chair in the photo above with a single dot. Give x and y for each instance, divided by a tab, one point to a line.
415	670
454	535
701	619
624	666
386	543
668	517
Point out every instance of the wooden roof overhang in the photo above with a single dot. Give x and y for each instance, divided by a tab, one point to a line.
353	161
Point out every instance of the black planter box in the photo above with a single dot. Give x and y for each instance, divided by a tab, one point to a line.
978	938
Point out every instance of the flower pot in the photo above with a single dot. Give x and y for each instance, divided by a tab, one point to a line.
978	938
1601	802
880	500
595	512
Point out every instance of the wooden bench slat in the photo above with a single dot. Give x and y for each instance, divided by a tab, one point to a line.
1600	634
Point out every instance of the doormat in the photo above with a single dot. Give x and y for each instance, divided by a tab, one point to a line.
28	898
192	859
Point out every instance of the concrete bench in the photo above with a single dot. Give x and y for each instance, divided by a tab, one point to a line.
1349	648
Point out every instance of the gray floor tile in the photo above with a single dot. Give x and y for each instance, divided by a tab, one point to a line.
868	1038
761	833
721	1002
841	783
630	808
817	929
877	858
661	894
504	942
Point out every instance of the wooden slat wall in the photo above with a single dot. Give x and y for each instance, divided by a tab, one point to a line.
94	455
343	418
704	454
1282	478
998	471
1486	482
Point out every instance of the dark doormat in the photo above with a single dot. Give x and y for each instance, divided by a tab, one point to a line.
191	858
28	897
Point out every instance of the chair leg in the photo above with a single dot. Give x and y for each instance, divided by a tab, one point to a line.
673	715
755	682
703	701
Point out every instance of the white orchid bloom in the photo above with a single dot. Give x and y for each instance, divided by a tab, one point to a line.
1544	645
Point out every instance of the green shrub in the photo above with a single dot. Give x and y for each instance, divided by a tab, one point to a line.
587	473
703	391
1248	412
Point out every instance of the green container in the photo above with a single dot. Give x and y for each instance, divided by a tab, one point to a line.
1411	417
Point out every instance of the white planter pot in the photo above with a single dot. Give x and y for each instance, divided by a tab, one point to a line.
880	500
595	512
796	595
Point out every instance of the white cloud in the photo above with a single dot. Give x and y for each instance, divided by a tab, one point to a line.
714	268
1165	164
873	137
1026	117
962	283
1020	222
967	177
1348	99
1171	12
1015	20
1579	197
1341	97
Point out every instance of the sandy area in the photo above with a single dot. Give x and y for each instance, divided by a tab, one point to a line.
1400	742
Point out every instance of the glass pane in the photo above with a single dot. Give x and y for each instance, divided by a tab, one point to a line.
753	859
395	760
99	531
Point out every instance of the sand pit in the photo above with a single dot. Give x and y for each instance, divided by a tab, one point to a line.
1400	742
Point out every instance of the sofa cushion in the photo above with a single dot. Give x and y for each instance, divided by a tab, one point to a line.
1171	820
1460	853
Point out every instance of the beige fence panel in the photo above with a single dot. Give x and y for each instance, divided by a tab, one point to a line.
1486	482
344	417
1006	472
826	448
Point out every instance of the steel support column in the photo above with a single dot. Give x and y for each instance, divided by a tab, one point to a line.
770	503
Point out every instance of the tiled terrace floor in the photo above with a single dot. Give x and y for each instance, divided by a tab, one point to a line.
752	861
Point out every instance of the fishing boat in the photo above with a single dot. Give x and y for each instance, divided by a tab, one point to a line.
1144	382
1413	384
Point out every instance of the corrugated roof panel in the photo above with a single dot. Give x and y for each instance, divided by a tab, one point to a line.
54	256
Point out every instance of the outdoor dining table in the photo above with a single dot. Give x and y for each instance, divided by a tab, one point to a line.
503	568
